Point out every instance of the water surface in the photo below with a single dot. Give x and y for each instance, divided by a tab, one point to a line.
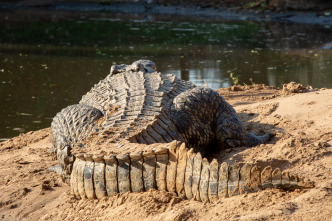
47	65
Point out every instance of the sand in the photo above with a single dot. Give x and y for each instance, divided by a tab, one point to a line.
302	127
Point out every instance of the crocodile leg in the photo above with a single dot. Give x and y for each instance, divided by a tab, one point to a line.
204	118
70	126
230	130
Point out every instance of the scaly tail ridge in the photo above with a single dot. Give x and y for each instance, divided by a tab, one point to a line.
172	167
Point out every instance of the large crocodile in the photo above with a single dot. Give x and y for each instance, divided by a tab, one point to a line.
138	130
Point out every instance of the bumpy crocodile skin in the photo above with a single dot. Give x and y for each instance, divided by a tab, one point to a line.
140	105
178	124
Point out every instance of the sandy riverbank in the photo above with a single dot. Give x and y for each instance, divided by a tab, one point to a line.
301	122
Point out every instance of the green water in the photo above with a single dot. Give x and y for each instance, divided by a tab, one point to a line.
47	65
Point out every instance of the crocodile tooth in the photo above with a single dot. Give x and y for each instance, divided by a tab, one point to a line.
136	172
196	176
276	178
73	179
233	181
223	181
80	173
99	176
285	179
204	181
266	178
181	167
244	183
161	167
149	170
171	168
88	177
213	181
123	173
189	174
255	179
111	175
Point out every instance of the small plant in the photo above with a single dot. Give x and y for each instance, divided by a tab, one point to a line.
206	84
235	79
252	82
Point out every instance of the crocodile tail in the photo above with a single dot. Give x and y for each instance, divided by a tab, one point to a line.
174	168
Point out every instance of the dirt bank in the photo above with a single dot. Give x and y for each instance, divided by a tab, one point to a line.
301	122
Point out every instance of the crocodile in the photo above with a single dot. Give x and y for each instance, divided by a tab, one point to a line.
139	129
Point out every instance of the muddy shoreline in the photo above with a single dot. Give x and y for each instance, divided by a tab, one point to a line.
155	11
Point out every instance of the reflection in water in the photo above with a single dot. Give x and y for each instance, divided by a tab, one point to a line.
184	70
50	65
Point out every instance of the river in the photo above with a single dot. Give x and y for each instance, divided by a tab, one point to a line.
47	64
